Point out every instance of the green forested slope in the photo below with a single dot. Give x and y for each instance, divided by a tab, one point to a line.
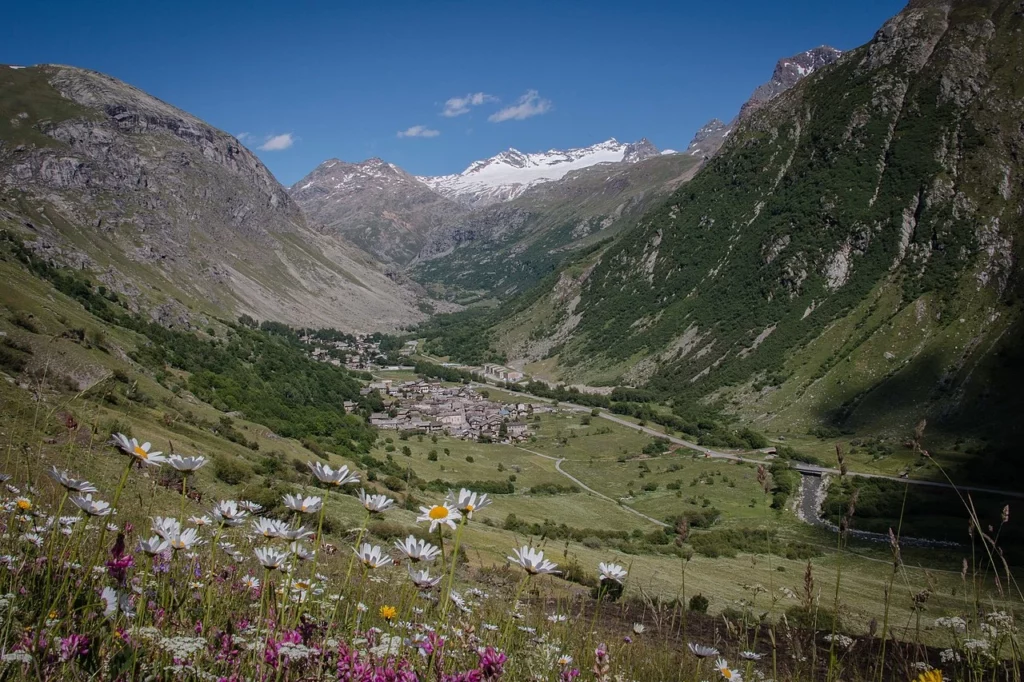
849	259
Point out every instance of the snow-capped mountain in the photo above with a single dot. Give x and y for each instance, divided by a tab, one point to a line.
788	72
510	173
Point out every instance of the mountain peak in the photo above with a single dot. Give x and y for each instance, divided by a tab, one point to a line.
510	173
788	72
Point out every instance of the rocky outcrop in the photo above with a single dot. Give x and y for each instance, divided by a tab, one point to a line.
788	72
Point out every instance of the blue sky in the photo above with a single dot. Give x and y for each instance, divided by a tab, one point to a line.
312	81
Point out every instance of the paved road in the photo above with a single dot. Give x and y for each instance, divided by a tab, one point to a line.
739	458
810	468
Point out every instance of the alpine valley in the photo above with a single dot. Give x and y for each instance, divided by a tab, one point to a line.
753	404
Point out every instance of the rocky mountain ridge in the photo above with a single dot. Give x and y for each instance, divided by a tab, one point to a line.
788	72
178	216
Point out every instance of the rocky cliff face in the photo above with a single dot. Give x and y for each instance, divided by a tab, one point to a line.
851	256
170	210
788	72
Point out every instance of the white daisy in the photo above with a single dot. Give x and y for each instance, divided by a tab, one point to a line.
339	477
76	485
186	463
375	504
701	651
154	545
372	556
301	552
228	513
269	528
187	539
417	550
611	571
422	579
166	527
467	501
90	506
439	514
271	558
533	561
143	453
303	505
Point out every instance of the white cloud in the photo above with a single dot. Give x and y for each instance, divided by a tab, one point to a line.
418	131
457	106
530	104
242	137
276	143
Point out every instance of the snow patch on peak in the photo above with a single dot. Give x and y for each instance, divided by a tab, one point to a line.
508	174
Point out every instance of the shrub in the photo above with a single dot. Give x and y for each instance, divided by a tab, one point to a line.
699	603
552	489
394	483
432	456
231	470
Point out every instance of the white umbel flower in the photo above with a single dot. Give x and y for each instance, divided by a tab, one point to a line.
186	463
303	505
611	572
372	556
72	484
533	561
143	453
90	506
375	504
417	550
439	514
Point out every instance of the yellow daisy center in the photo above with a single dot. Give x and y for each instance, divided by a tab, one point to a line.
469	508
439	512
726	673
139	452
24	505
